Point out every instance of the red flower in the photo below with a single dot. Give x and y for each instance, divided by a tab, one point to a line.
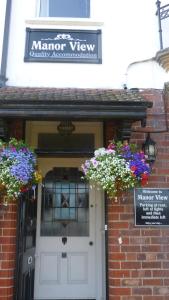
144	176
144	179
133	168
24	189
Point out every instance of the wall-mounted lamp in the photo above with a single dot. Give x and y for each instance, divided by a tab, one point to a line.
149	148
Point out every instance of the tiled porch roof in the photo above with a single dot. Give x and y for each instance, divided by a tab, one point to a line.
73	104
71	94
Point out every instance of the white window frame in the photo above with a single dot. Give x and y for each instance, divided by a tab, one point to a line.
45	8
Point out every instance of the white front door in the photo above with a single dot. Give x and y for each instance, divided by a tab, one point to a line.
69	251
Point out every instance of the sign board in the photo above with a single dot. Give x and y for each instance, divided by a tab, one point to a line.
151	207
59	45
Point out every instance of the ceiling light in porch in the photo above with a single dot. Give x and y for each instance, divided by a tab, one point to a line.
66	127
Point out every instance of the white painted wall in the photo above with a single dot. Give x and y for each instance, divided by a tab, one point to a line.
129	34
146	74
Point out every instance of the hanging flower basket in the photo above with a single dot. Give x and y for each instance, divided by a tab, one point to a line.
18	169
117	169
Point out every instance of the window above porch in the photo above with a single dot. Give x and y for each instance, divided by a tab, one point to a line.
65	8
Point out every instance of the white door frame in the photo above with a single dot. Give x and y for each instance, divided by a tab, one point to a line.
33	128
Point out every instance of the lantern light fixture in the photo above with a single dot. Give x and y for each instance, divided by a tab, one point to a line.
150	150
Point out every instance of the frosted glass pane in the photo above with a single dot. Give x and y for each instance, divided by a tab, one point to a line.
65	8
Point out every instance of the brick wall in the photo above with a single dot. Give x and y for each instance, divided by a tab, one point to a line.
8	225
139	265
7	250
139	260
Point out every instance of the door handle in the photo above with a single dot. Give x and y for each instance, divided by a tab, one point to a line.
64	255
64	240
91	243
30	260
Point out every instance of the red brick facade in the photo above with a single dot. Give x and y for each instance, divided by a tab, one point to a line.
138	262
138	268
8	217
8	226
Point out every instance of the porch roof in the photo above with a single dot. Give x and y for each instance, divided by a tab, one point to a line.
72	103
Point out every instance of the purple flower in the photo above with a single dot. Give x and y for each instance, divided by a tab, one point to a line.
19	163
94	162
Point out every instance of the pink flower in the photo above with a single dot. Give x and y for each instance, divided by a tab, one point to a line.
111	146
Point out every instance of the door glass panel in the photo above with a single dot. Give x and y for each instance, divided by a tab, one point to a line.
65	204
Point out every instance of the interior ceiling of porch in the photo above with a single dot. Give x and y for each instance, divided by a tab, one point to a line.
72	104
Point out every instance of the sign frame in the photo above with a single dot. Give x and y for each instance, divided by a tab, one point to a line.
63	46
157	209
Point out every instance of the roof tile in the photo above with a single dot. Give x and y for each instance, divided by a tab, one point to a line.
72	94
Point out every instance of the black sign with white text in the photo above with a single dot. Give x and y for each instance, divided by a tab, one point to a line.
62	45
151	207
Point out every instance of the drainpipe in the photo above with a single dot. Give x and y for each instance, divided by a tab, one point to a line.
159	23
3	65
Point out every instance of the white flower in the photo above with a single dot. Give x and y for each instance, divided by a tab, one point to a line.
100	151
110	151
